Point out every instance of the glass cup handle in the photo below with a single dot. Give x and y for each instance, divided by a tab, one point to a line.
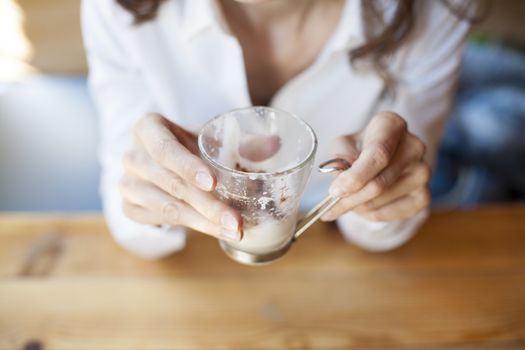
332	165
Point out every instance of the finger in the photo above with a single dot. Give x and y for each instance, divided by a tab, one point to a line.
257	147
140	214
191	220
163	147
380	141
138	162
416	177
346	147
148	204
410	151
185	137
401	208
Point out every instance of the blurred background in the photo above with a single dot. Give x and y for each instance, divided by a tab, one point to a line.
48	127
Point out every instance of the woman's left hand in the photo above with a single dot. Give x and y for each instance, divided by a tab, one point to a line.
388	179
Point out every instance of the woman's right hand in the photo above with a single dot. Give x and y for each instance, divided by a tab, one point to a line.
165	182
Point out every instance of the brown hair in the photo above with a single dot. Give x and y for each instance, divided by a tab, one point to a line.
383	39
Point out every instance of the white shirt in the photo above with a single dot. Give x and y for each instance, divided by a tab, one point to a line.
186	66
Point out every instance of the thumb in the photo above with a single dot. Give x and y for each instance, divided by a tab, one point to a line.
346	147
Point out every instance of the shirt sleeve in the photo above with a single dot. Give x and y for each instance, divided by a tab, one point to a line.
426	73
121	97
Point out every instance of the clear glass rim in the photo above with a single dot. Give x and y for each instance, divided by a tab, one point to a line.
253	175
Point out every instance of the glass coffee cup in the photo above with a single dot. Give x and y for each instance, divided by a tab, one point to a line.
265	190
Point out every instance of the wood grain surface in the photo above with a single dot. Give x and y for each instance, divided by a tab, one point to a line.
459	284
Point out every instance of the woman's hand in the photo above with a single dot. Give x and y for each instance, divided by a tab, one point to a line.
165	182
388	179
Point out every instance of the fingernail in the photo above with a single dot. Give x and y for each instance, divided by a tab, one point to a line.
231	235
204	180
336	191
229	222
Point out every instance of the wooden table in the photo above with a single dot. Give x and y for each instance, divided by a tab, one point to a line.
460	284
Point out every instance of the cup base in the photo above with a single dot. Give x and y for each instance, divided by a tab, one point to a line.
253	259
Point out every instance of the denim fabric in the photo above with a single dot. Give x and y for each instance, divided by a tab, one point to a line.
482	155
